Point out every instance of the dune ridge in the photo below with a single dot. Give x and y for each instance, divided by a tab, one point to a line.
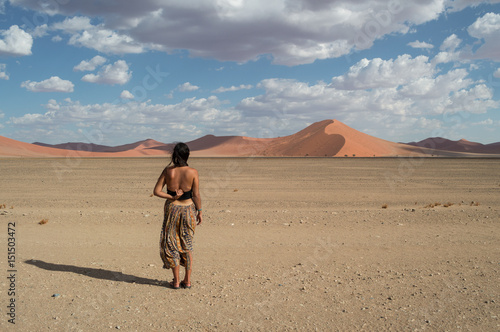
327	138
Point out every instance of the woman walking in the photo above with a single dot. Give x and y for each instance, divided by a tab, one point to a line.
182	213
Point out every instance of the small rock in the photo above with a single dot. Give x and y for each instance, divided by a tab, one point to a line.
56	295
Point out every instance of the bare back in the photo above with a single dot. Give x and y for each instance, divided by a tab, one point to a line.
180	178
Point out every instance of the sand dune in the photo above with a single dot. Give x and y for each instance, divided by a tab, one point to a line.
462	145
328	138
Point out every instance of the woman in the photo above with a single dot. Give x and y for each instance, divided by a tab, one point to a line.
182	214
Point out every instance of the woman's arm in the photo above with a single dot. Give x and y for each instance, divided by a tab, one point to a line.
157	191
196	196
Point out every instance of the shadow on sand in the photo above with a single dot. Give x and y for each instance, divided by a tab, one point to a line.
95	273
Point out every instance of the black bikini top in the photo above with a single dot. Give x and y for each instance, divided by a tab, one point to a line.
185	195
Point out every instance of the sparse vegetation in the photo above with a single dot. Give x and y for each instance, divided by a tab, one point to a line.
431	205
474	203
43	221
385	206
448	204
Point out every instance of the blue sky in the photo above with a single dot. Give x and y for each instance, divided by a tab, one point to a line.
117	71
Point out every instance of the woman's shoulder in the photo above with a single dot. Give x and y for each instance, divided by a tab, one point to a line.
168	169
188	169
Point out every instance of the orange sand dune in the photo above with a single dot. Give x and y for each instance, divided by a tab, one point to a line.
326	138
13	148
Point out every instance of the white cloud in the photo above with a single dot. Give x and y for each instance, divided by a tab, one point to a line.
497	73
419	44
15	42
117	73
106	41
53	84
73	24
292	31
126	95
446	57
40	31
90	65
125	120
99	38
233	88
487	28
185	87
56	39
451	43
378	73
419	100
3	73
487	122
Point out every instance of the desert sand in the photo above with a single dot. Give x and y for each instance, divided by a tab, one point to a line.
286	244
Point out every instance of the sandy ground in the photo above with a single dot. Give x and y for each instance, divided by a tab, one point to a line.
287	244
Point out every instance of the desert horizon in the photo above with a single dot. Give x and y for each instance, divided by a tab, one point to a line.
327	138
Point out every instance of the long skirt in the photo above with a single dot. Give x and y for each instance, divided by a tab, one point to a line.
176	240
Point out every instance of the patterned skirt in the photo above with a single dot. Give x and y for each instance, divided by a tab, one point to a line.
177	232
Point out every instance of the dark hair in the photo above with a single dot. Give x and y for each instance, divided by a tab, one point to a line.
180	155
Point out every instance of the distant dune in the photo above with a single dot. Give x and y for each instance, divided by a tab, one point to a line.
328	138
463	145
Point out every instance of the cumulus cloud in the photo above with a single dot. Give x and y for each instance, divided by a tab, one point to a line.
378	73
126	95
233	88
73	24
106	41
91	64
15	42
366	97
3	73
166	122
40	31
293	31
487	28
116	73
185	87
451	43
419	44
99	38
56	39
53	84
